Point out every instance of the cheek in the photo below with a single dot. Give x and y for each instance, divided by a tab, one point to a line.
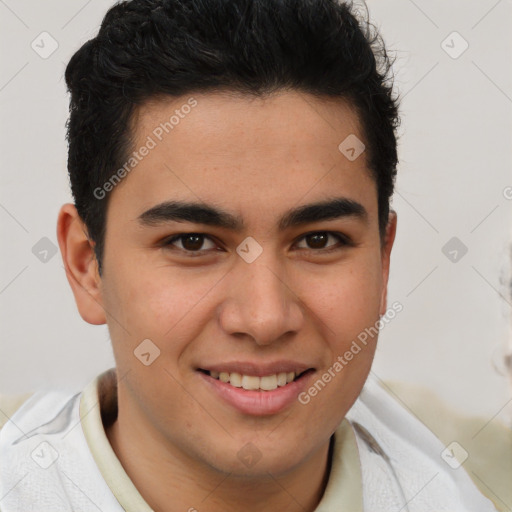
347	299
161	304
346	304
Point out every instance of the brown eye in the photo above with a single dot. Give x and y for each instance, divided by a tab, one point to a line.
190	242
318	241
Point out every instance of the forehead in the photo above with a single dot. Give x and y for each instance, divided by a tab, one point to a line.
283	119
249	152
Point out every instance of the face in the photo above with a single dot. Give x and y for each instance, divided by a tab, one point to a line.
254	288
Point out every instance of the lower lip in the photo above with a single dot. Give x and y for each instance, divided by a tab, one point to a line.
258	403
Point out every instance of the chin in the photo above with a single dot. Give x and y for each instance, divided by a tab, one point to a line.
258	457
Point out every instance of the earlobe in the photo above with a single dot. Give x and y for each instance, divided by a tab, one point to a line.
386	258
80	265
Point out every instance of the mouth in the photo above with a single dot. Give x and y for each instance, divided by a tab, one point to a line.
256	388
264	383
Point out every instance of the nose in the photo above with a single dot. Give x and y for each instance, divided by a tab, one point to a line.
260	304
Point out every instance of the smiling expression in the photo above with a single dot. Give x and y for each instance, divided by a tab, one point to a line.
245	246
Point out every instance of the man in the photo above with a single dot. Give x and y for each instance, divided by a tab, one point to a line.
232	164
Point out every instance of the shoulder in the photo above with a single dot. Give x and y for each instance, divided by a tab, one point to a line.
10	403
393	438
483	446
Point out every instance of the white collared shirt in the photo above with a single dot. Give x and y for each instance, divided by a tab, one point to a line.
55	456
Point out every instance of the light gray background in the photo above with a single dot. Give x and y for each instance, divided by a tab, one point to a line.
456	161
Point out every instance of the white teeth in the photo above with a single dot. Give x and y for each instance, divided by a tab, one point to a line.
235	379
268	383
253	383
281	379
250	383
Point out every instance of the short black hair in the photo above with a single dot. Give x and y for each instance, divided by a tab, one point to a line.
146	49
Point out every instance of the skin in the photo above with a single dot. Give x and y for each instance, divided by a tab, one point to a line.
257	158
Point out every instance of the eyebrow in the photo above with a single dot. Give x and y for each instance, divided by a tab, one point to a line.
202	213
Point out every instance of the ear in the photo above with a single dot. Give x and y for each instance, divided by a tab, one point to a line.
80	264
386	256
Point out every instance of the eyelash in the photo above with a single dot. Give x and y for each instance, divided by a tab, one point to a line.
343	240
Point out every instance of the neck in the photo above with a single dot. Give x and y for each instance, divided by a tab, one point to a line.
169	481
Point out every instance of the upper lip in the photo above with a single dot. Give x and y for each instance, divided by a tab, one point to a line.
257	369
